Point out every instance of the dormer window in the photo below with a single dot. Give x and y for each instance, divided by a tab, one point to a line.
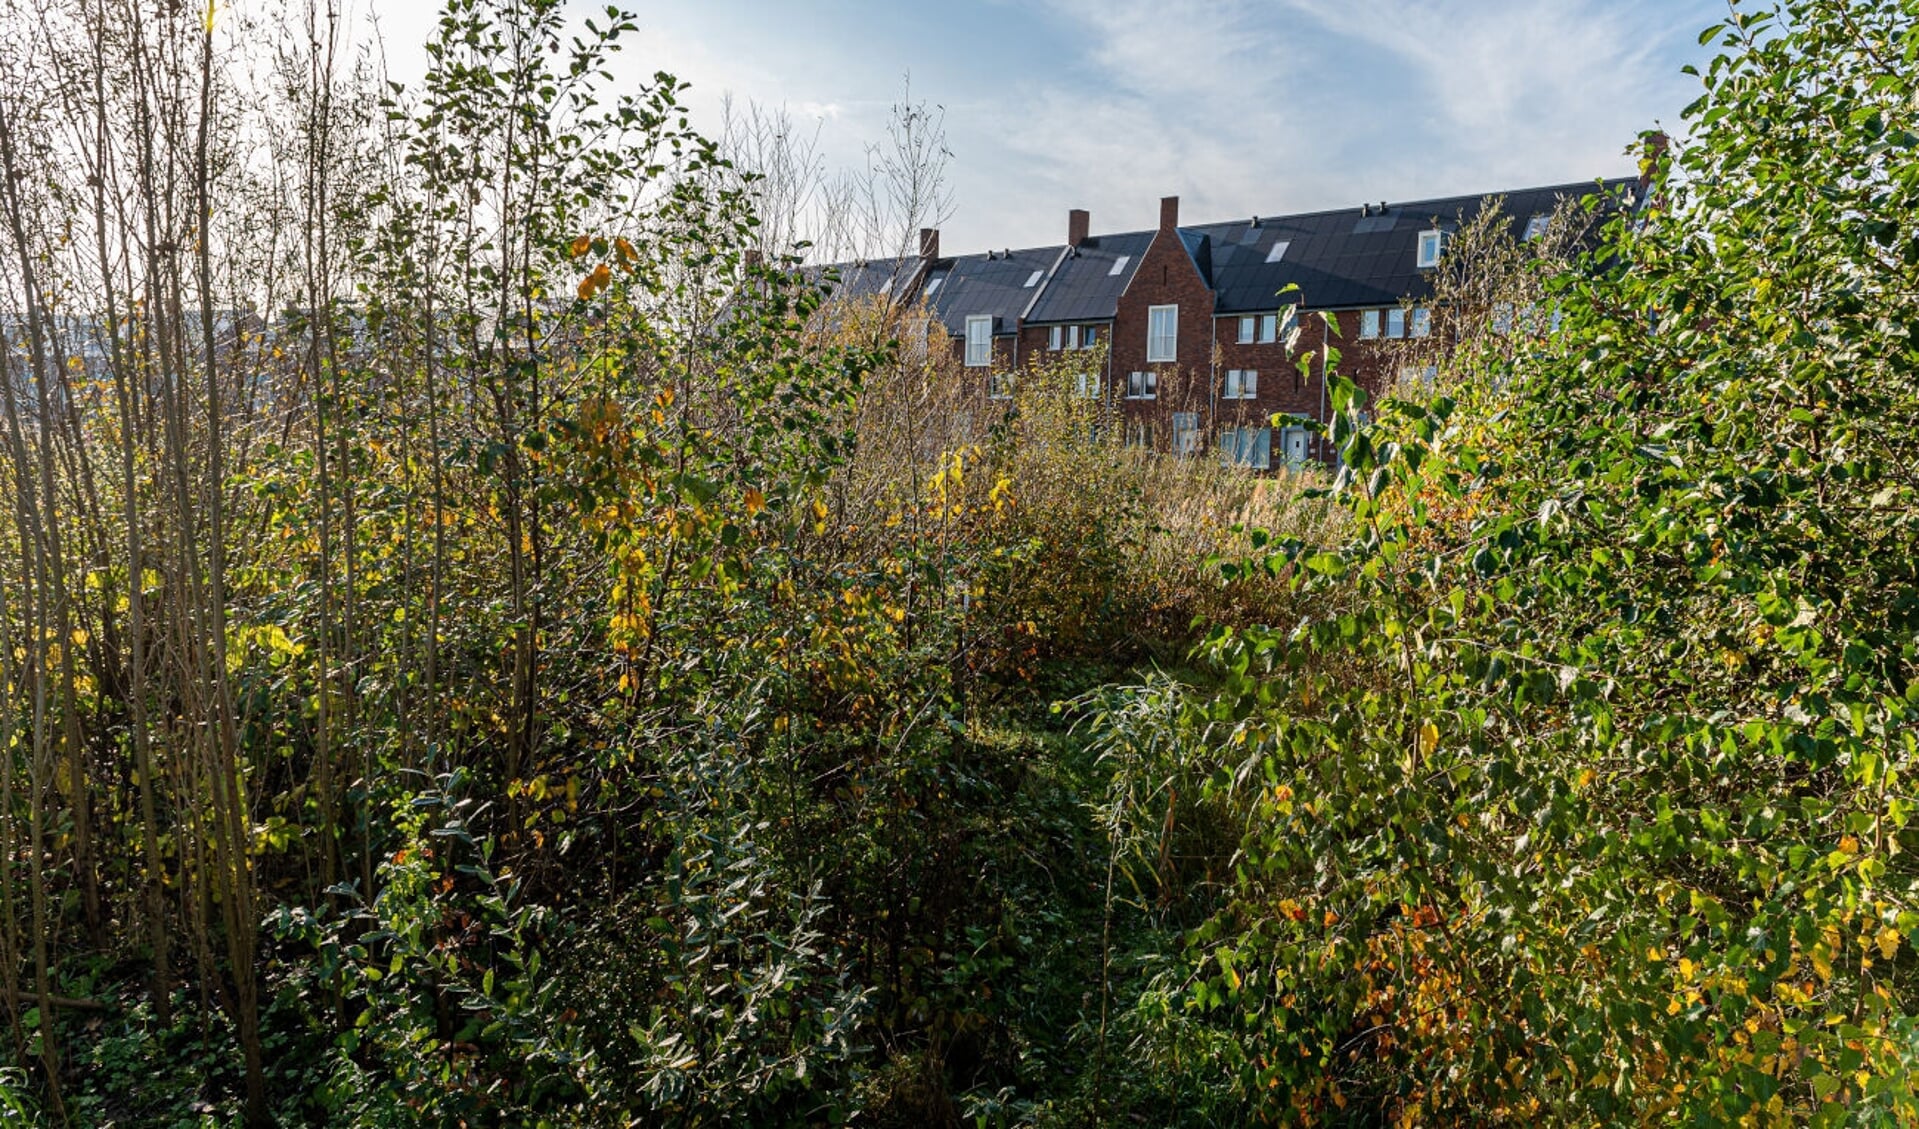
1432	243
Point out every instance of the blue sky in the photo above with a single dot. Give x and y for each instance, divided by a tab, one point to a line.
1237	106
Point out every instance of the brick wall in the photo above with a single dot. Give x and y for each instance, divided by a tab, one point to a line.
1166	276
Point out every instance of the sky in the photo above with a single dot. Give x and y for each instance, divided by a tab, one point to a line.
1239	107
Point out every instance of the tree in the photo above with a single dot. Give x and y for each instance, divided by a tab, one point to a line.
1583	795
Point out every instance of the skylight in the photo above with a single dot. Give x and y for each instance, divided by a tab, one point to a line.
934	285
1032	280
1278	252
1119	264
1536	226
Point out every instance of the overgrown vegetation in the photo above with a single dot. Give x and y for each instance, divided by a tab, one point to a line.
480	647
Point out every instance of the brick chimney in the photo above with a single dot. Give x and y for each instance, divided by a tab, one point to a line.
1656	145
1078	221
1168	213
929	243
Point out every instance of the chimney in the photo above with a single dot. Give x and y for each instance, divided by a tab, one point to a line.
1657	144
1168	213
1077	222
929	243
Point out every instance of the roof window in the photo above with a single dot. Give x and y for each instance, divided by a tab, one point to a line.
1278	252
1536	226
1119	264
1432	243
1032	280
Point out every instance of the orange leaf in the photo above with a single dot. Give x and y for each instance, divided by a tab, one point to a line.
580	246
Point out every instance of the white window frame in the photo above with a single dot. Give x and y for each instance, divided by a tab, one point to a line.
979	349
1052	339
1396	323
1086	385
1248	328
999	386
1432	244
1142	385
1368	324
1089	337
1162	341
1241	384
1072	337
1422	322
1268	328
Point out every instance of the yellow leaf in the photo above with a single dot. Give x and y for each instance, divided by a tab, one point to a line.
1888	940
580	246
1428	739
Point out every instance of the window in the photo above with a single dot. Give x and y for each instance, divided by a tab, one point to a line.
1278	252
1369	323
1432	244
1162	333
1072	337
1248	326
1119	264
1268	328
1052	338
1536	226
933	287
1418	374
979	342
1422	321
1395	323
1241	384
1032	280
999	386
1089	336
1185	434
1142	386
1139	433
1086	385
1250	447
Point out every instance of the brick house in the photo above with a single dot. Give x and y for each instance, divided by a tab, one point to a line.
1194	320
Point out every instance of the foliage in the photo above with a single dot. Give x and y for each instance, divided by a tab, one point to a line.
1582	793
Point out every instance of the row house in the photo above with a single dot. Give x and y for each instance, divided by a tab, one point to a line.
1192	322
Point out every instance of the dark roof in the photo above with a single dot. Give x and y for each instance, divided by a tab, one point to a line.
1086	286
1342	259
993	284
894	278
